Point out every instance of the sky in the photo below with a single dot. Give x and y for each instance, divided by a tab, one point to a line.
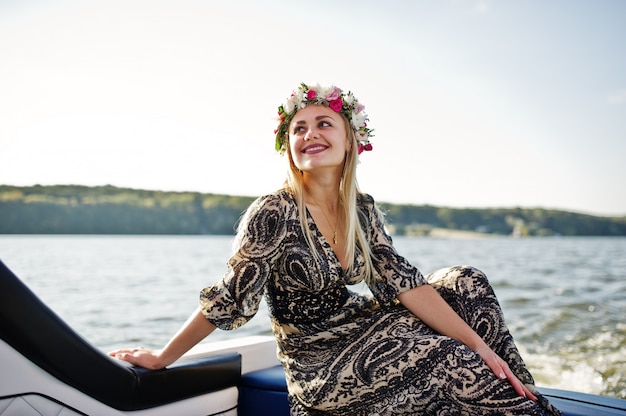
474	103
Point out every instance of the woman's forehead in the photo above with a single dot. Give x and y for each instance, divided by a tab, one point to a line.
314	111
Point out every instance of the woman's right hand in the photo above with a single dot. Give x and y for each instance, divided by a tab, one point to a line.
141	357
194	330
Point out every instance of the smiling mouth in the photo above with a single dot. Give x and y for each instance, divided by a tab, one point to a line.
314	149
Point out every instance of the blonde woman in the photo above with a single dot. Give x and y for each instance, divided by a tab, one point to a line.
434	345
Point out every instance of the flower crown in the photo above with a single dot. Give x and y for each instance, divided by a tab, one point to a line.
336	100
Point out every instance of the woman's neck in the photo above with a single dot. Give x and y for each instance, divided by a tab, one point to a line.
323	191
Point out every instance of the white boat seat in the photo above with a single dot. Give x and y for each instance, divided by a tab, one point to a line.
36	332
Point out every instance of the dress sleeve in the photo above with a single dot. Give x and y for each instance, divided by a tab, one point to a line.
393	274
235	299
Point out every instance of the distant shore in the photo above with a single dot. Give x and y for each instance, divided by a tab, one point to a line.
459	235
73	209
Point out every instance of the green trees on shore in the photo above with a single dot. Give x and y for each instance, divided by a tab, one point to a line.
111	210
69	209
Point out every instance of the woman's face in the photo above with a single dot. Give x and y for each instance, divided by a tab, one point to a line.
317	138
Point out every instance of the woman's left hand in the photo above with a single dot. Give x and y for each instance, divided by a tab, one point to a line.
503	372
429	306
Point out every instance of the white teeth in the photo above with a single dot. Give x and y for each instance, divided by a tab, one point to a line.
314	149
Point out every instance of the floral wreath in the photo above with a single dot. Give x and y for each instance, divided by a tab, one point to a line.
332	97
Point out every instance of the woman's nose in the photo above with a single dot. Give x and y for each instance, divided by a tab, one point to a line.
310	134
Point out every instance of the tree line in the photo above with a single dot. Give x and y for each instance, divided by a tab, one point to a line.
73	209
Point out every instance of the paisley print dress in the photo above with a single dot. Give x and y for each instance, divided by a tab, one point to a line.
352	354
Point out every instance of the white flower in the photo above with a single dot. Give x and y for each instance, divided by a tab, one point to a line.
348	99
289	106
298	96
358	120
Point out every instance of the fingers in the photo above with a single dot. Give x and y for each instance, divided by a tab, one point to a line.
124	356
530	395
503	372
132	355
141	357
518	386
125	352
497	365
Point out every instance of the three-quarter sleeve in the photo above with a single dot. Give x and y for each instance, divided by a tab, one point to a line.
393	273
235	299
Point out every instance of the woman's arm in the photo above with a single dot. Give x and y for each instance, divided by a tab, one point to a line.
192	332
430	308
234	299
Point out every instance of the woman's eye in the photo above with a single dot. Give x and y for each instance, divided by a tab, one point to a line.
324	124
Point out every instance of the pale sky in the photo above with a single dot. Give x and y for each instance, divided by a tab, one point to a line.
474	103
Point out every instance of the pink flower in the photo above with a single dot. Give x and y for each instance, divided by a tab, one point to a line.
311	94
336	105
368	147
361	148
334	94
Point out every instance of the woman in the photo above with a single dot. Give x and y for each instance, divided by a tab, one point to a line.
436	345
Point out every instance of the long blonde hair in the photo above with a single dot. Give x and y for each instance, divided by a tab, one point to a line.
348	192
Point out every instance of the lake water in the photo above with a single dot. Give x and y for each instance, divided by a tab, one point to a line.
564	298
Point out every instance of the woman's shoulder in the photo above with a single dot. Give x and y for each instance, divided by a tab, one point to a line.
365	200
369	209
281	196
278	200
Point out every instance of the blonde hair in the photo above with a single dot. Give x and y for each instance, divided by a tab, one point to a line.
348	211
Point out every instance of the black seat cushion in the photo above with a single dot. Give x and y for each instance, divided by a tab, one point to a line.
35	331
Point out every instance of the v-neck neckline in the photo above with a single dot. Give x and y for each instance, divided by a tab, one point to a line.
327	243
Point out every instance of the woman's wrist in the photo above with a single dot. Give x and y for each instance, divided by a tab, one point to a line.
477	343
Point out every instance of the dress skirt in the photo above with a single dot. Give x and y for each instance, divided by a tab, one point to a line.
391	363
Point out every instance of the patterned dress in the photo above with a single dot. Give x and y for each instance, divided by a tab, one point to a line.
351	354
